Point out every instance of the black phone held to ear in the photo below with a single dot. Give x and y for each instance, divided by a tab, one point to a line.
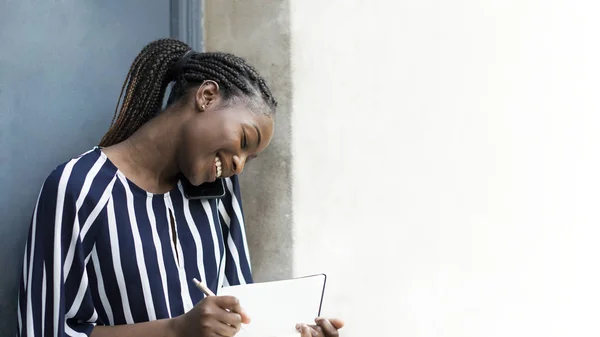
209	190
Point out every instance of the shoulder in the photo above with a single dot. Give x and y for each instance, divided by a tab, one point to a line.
232	201
232	189
232	185
85	173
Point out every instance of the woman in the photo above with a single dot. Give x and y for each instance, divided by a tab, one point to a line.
115	242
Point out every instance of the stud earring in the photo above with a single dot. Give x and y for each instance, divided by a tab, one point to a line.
203	107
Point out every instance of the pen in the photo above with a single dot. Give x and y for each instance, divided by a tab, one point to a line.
204	288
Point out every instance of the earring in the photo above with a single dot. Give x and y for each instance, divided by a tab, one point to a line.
203	107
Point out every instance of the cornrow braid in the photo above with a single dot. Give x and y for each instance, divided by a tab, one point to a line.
234	76
152	70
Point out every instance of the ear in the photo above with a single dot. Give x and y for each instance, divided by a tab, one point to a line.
207	95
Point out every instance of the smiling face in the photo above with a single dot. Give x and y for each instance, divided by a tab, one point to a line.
218	140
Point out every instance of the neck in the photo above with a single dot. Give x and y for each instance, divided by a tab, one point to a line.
149	156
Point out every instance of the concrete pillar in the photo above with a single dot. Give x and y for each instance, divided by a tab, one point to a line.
259	31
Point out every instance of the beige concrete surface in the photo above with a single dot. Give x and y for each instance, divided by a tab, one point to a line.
254	29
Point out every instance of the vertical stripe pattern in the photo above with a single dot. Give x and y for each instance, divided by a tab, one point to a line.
103	251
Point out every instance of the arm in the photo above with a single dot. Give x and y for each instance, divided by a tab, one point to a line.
54	297
214	316
159	328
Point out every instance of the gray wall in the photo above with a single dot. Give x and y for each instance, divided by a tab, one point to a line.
259	31
62	64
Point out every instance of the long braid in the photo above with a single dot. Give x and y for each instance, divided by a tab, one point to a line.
150	73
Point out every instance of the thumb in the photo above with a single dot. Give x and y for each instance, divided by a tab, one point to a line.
337	323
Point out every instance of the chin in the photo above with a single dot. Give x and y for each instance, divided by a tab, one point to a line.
194	180
199	181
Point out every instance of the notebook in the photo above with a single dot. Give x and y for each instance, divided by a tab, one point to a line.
276	307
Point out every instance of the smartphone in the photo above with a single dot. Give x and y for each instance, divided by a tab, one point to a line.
209	190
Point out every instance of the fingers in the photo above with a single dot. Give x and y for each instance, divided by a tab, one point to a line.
221	315
317	331
225	330
329	329
306	331
230	318
324	327
226	323
337	323
228	303
232	304
245	317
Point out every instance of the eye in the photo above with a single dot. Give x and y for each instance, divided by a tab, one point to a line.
244	139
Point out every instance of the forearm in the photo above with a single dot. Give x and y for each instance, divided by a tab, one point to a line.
158	328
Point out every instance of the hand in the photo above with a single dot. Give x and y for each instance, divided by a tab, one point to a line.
304	330
323	328
214	316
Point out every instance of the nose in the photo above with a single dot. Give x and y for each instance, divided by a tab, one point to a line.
238	164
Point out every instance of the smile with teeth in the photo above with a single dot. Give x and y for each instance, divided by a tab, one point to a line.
218	166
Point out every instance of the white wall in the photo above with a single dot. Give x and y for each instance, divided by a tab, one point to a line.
446	171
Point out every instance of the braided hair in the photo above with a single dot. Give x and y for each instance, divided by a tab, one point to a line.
167	60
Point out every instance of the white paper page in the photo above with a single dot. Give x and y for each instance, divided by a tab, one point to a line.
276	307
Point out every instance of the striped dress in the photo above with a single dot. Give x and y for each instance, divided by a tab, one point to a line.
101	250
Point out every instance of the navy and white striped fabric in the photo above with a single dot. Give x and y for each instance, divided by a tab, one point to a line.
101	250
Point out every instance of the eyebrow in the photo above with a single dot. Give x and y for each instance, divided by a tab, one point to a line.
259	135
